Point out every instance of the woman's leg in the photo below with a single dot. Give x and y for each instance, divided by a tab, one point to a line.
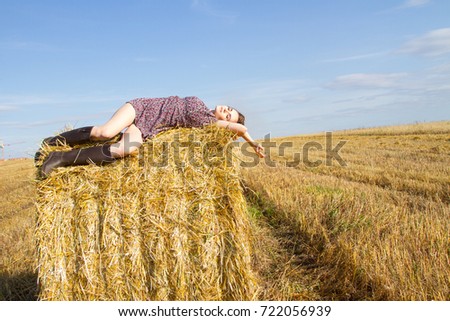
96	154
121	119
130	142
103	154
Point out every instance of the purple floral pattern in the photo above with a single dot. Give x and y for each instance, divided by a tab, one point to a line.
155	115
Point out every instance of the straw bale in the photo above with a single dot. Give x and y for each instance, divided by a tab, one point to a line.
138	230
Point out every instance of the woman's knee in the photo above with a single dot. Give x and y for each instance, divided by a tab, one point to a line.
102	133
124	148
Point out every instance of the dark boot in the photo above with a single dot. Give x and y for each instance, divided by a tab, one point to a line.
98	155
71	138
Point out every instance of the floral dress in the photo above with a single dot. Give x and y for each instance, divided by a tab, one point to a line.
154	115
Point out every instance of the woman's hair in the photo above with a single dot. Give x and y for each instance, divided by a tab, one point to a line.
241	118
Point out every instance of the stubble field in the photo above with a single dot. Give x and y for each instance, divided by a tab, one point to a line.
375	229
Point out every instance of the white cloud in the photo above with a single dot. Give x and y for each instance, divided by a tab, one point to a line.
367	81
432	44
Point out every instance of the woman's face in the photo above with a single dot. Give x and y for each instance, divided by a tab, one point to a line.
223	112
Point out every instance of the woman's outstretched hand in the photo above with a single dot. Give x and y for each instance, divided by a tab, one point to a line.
259	150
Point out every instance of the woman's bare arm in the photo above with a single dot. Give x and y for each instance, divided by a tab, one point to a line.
259	150
234	127
241	130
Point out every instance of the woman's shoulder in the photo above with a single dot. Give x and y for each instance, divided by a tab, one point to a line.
193	98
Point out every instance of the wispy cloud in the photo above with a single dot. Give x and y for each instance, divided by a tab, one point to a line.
145	59
267	94
358	57
28	46
7	108
24	125
15	101
414	3
367	81
440	69
432	44
408	4
61	121
360	99
296	99
205	7
22	100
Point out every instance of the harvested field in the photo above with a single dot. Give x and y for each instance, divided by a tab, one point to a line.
374	229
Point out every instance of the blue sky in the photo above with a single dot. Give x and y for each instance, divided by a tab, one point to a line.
291	67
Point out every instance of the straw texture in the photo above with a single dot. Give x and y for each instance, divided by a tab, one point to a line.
167	224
